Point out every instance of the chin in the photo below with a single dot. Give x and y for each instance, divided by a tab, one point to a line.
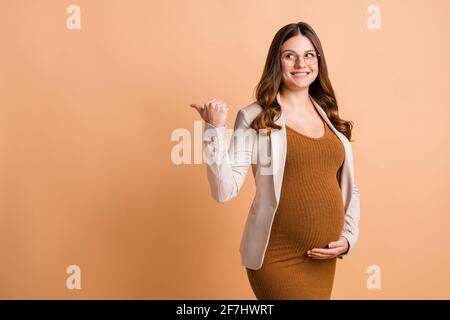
295	85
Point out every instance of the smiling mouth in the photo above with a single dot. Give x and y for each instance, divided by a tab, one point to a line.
300	73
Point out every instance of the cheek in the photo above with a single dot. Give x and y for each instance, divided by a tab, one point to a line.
314	74
284	70
285	74
316	70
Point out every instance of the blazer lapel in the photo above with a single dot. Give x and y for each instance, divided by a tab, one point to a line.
278	153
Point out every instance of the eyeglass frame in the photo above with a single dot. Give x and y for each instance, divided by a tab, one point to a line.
303	53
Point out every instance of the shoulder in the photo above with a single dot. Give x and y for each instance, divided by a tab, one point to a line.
250	112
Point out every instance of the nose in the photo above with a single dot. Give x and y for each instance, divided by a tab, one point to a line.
300	61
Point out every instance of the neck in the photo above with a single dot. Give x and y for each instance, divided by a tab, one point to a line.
296	101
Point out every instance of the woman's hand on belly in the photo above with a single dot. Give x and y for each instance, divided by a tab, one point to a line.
335	249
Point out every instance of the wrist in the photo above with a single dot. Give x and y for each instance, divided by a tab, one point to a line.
215	125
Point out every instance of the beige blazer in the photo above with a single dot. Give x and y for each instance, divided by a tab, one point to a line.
228	163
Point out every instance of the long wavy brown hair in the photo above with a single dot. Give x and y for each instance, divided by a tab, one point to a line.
271	82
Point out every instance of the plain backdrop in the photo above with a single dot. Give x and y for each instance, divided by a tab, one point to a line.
86	117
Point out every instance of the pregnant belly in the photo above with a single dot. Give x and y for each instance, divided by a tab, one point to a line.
307	219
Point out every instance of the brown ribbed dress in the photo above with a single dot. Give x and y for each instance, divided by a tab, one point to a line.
310	215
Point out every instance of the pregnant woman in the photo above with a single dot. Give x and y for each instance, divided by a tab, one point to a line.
306	210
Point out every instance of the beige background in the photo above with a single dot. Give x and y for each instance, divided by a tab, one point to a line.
86	118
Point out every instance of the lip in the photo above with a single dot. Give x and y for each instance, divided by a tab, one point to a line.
300	76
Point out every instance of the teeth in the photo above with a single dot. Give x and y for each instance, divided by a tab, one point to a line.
300	74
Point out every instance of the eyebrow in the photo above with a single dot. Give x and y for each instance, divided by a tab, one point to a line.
296	52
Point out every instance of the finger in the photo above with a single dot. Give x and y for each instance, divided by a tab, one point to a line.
337	243
196	106
319	256
333	244
210	102
326	251
199	108
328	254
216	104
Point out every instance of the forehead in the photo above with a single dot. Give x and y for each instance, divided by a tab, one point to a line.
298	43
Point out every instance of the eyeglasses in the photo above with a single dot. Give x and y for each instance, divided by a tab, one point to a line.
310	57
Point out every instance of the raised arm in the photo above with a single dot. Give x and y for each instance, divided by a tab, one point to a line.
227	164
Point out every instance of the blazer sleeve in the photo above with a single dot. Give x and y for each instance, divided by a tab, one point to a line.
351	226
227	166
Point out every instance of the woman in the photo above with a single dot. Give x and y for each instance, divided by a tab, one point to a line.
306	210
